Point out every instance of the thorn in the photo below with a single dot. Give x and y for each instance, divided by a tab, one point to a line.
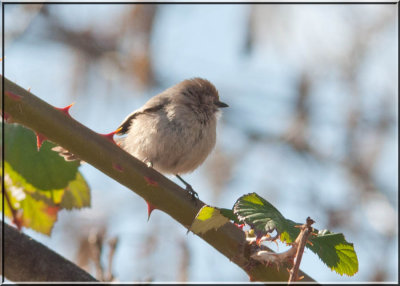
40	138
151	182
150	209
301	277
118	130
239	225
110	136
310	243
29	89
65	109
117	167
13	95
6	116
298	226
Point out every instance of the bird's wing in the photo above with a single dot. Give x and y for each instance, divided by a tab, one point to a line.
153	105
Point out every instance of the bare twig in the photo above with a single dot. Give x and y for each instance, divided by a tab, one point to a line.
300	243
95	240
113	242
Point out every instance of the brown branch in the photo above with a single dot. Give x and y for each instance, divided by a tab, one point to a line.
25	259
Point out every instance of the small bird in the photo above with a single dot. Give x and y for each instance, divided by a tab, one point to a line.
174	131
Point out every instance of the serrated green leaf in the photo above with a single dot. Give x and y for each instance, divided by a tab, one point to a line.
50	197
335	252
43	169
75	195
208	218
259	214
332	248
39	208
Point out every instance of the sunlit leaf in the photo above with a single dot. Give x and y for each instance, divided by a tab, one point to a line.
77	194
259	214
331	248
335	252
208	218
36	214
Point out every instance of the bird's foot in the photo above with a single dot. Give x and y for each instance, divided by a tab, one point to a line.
189	188
192	192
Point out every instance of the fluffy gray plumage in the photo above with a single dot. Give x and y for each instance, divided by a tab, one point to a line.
175	130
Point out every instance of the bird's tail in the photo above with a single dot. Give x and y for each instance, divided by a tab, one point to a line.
68	156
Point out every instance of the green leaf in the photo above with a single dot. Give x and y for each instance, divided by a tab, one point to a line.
36	214
39	208
335	252
77	194
259	214
332	248
50	197
229	214
43	169
208	218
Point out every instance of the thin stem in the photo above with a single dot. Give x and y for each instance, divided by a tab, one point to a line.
301	241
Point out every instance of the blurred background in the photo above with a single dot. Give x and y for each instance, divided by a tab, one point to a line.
312	124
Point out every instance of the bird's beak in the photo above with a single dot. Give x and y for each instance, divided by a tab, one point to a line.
221	104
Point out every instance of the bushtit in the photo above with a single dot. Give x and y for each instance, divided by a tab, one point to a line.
174	131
